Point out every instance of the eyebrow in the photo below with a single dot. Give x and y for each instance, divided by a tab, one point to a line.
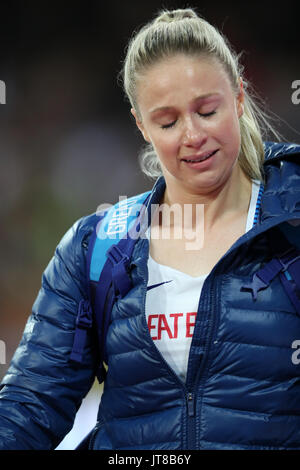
198	98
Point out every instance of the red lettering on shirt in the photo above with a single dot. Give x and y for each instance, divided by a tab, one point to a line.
176	315
162	320
171	323
190	324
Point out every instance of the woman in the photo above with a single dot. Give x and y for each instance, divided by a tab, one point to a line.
199	351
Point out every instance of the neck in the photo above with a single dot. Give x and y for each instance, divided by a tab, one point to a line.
221	203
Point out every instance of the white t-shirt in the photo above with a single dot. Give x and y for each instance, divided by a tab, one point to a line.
172	302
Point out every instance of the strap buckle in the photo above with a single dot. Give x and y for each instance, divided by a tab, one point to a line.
120	275
84	318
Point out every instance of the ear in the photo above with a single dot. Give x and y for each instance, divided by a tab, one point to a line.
240	99
140	125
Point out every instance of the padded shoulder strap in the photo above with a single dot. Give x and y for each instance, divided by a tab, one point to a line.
118	222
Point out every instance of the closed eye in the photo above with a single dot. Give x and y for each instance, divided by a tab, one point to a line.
207	114
167	126
171	124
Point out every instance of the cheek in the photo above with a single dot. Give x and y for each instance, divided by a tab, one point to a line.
228	129
166	146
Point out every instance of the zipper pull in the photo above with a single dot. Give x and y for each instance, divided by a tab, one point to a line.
190	404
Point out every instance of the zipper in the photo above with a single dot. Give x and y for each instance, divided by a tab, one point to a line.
191	421
195	373
190	404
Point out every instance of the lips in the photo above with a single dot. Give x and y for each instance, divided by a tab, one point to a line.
199	158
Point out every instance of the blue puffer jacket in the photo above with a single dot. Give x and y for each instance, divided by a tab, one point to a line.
242	389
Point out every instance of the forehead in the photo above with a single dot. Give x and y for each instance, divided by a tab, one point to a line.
181	76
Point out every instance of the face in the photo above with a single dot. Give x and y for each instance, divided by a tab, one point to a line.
190	114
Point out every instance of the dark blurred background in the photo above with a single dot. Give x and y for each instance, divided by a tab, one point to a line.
67	140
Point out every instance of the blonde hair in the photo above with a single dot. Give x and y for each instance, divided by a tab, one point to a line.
183	31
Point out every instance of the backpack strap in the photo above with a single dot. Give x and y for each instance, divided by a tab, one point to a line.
84	319
286	264
108	269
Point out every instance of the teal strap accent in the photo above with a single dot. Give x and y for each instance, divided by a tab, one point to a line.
116	224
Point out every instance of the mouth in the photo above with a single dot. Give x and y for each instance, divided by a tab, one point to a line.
200	158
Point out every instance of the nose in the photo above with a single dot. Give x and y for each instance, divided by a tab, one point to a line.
194	135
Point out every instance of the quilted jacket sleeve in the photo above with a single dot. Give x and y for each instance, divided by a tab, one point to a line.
43	389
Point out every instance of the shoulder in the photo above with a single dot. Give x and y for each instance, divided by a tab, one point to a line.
282	175
80	231
76	239
69	259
